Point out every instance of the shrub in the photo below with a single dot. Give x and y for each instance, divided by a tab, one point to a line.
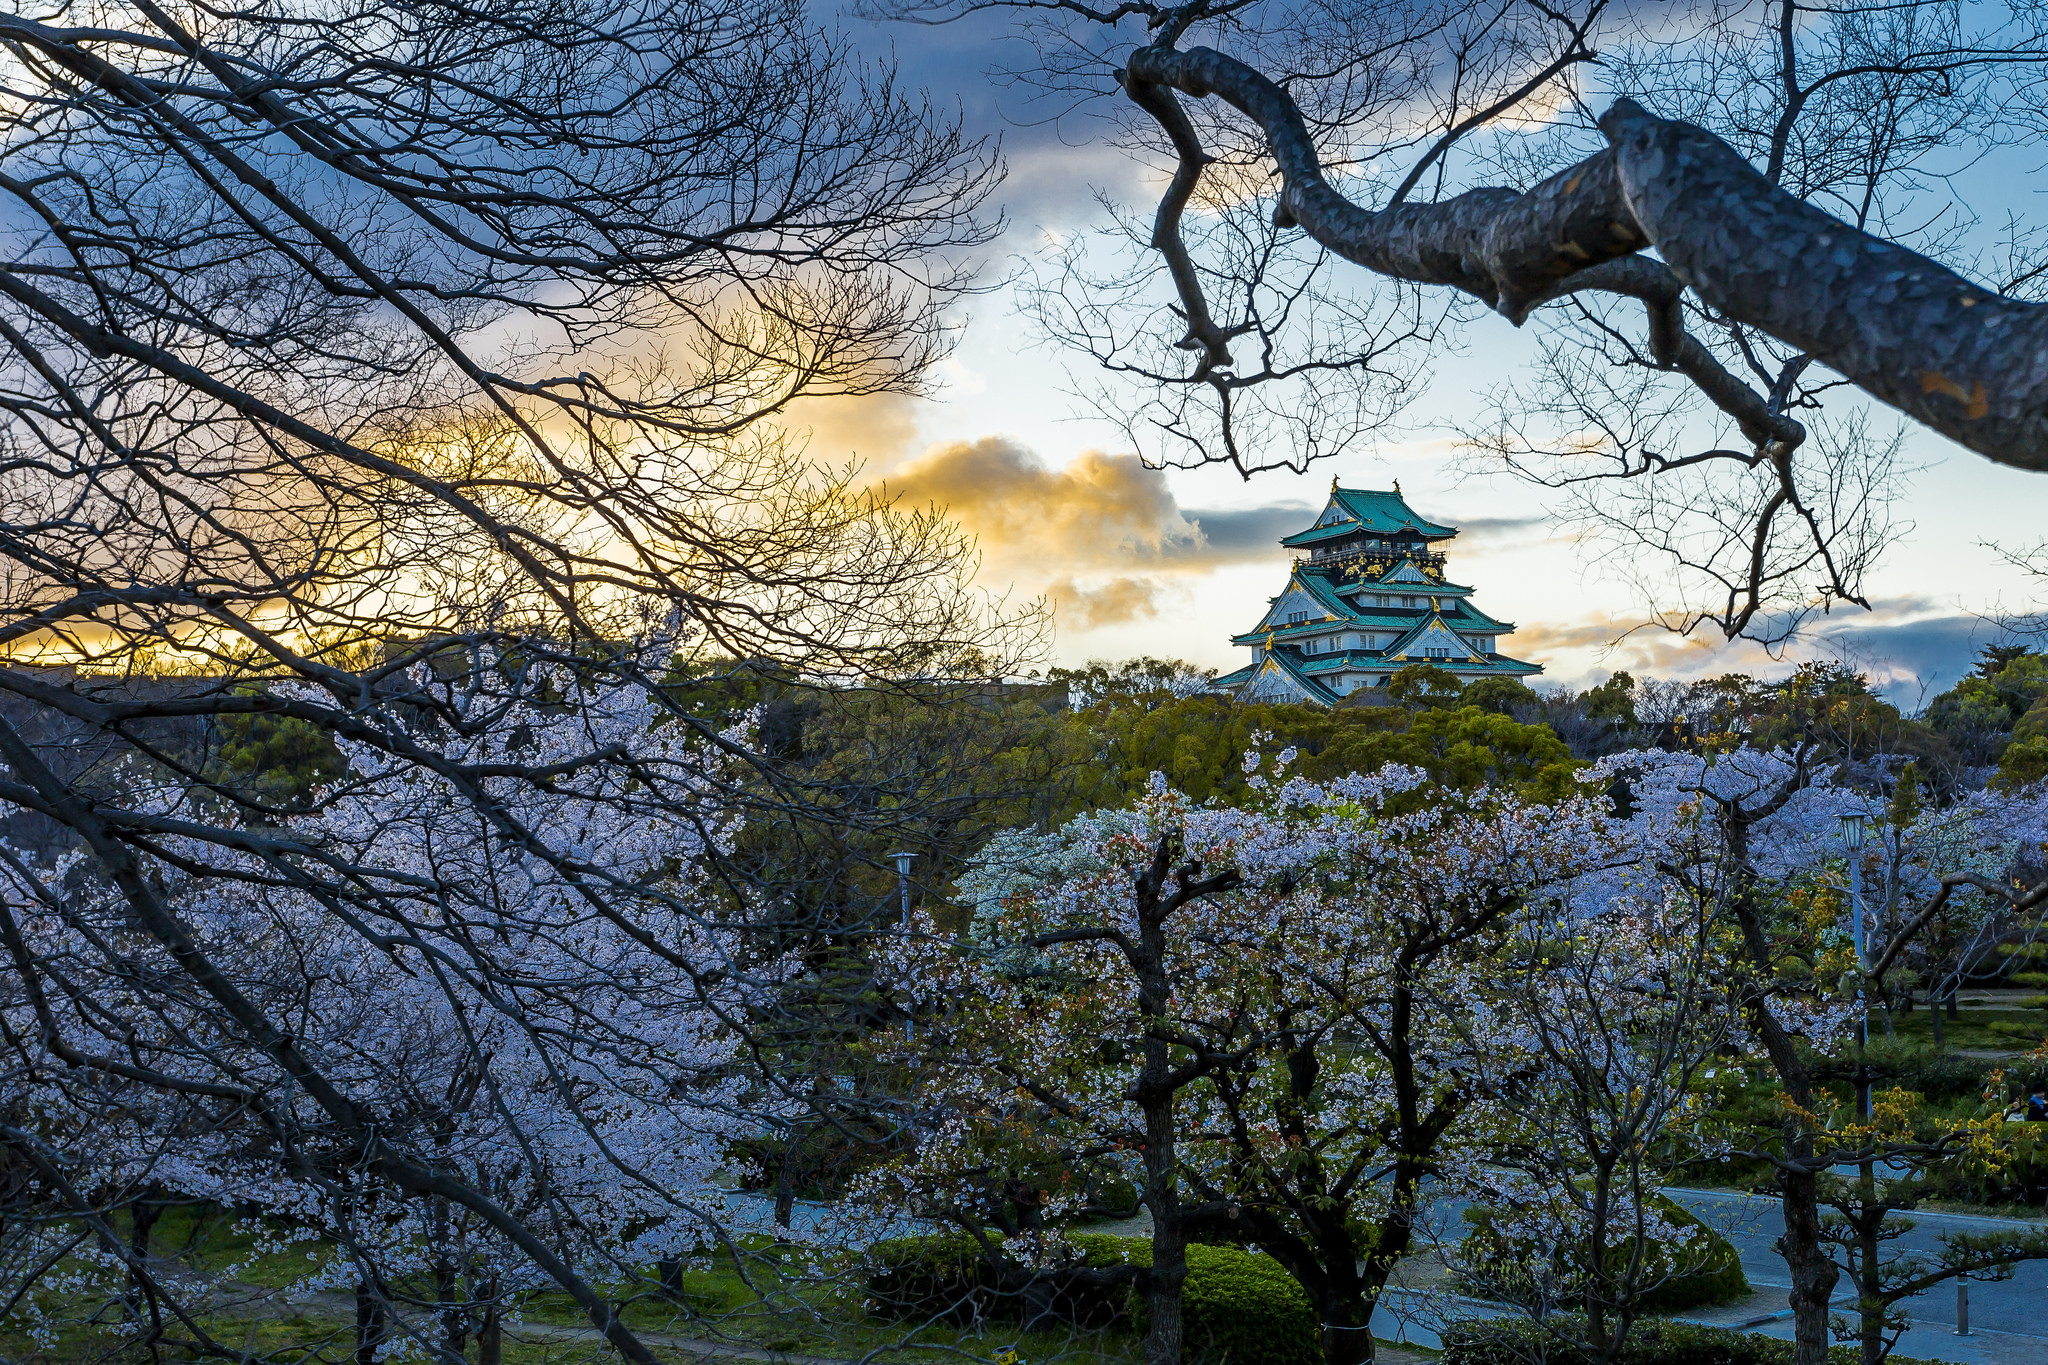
942	1276
1895	1062
1504	1341
1237	1308
1714	1277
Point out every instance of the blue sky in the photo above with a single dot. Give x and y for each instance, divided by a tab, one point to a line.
1062	507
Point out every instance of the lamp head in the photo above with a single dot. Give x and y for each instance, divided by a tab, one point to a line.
1852	831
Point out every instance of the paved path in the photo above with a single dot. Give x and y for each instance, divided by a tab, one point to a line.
2008	1318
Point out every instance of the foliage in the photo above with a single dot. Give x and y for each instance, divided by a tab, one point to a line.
1984	711
1508	1341
1237	1306
2023	763
1705	1273
273	759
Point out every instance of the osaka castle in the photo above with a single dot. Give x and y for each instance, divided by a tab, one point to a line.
1367	597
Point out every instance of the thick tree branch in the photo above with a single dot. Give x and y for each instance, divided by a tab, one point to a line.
1949	353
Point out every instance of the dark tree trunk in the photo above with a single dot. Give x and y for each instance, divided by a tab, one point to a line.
1156	1088
785	1188
1813	1274
1162	1188
490	1338
454	1312
1347	1329
371	1323
1870	1274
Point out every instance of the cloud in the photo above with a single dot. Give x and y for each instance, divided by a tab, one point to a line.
1910	661
1493	531
1115	602
874	429
1909	648
1099	512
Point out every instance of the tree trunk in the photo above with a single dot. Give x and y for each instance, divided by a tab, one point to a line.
490	1338
785	1189
1154	1093
1870	1277
448	1288
1813	1274
1948	1006
1169	1239
454	1312
1934	1016
142	1216
370	1323
1347	1329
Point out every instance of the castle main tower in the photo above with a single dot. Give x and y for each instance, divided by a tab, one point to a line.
1367	598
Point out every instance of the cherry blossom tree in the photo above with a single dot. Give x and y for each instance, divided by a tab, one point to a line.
1756	835
505	1024
1179	992
420	383
1614	1016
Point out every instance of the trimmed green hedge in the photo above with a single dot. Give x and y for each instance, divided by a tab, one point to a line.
1516	1341
1237	1308
1717	1280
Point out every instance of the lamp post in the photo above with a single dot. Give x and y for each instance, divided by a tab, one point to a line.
902	861
1853	829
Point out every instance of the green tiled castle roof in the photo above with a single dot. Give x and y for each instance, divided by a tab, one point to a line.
1370	511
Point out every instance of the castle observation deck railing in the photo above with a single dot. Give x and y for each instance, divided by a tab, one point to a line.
1368	564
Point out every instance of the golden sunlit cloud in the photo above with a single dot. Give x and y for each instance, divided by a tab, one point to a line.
1112	602
1101	511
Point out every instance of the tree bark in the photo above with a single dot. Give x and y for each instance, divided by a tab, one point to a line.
1813	1273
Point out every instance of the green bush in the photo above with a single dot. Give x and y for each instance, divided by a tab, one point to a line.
1716	1278
941	1276
1897	1062
1237	1307
1515	1341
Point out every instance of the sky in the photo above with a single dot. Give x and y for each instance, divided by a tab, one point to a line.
1172	563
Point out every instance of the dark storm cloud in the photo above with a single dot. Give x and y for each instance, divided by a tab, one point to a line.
1912	660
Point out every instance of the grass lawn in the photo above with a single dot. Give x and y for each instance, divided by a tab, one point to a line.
2022	1029
781	1302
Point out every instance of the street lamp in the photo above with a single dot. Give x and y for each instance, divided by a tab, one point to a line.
902	861
1853	830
